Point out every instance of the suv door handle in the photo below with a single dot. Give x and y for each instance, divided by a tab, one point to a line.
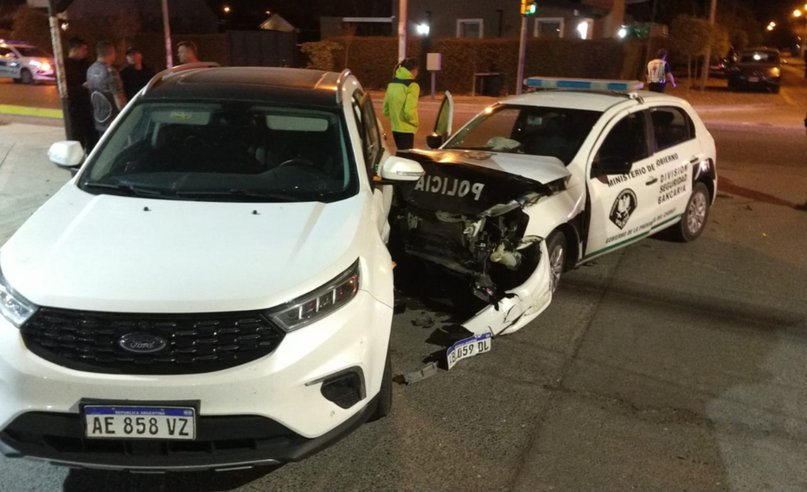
652	181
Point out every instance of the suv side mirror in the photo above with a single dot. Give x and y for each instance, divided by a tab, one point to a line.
434	141
67	154
616	164
398	169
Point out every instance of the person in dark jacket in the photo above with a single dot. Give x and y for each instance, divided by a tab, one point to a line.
401	104
135	74
80	125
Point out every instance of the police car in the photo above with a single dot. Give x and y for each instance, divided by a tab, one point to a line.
25	62
212	290
542	182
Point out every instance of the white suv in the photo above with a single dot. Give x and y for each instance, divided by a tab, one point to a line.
25	62
213	288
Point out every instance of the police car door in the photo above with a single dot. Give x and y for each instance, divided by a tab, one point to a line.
622	185
676	151
374	153
7	61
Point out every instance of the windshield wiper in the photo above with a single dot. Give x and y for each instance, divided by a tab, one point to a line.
238	193
130	189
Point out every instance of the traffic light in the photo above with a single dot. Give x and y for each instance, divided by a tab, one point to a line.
527	7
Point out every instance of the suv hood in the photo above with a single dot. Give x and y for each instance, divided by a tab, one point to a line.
124	254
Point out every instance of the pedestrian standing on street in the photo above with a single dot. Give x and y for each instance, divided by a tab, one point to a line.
659	73
106	87
187	52
401	103
80	125
135	74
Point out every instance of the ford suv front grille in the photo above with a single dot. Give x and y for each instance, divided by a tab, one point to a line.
117	343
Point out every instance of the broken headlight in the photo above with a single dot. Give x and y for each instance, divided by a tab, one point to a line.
13	306
319	303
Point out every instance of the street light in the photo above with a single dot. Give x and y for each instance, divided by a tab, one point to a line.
799	14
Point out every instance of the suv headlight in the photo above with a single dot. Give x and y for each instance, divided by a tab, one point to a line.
319	303
774	72
13	306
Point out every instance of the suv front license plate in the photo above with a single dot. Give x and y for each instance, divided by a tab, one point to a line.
136	422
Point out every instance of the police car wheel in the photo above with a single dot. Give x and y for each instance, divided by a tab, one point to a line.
695	215
26	77
556	246
384	400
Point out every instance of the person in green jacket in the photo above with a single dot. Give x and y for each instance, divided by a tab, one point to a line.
401	103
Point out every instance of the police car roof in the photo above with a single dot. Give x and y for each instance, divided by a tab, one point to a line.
287	85
585	100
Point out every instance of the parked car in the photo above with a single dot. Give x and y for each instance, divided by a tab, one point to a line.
756	68
25	63
212	290
539	183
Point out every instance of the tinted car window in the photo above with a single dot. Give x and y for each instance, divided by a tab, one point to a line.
229	151
557	132
627	140
771	57
671	126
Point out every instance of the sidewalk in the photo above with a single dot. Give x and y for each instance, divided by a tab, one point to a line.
27	177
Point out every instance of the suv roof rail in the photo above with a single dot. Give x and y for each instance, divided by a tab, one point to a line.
340	82
169	72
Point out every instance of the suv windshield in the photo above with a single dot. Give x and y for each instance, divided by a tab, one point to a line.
228	151
557	132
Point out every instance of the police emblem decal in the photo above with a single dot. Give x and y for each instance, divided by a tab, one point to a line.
623	207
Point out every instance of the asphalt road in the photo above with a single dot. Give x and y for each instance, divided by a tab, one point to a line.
661	366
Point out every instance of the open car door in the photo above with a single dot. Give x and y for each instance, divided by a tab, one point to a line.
443	123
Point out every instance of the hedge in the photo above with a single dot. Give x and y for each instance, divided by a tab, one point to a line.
373	58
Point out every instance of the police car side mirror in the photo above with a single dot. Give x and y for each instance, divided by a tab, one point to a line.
67	154
434	141
395	169
607	165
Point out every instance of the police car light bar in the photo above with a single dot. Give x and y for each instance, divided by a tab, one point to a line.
584	84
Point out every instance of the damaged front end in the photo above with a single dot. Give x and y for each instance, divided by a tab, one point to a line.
470	221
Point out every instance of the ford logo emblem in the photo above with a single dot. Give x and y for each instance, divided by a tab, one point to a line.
141	343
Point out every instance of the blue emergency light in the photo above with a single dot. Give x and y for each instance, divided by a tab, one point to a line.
584	84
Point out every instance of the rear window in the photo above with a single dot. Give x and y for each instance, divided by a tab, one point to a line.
32	51
759	57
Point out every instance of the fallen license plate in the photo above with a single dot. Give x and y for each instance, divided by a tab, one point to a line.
139	422
468	347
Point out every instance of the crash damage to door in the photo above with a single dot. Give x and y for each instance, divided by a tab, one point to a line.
470	219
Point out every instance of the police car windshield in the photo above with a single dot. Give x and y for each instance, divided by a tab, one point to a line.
228	151
31	51
531	130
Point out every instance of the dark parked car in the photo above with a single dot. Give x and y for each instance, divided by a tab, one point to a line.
756	68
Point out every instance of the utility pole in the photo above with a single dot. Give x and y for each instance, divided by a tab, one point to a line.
708	57
58	60
522	55
169	54
402	10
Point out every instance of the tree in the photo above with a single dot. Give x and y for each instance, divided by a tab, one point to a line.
690	36
31	25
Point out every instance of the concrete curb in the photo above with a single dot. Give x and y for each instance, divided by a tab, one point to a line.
10	109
